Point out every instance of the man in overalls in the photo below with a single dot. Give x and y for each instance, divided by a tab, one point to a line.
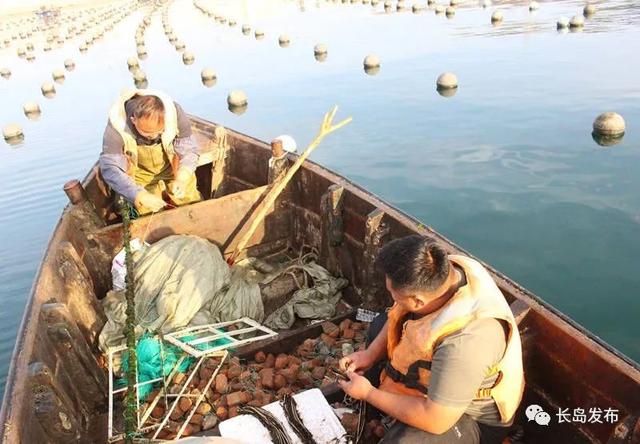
446	360
148	152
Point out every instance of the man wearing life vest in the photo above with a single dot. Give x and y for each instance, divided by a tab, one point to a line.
446	360
148	151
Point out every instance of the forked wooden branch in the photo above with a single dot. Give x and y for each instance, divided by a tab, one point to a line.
256	219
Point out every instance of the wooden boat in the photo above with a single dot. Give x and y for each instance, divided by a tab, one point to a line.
56	389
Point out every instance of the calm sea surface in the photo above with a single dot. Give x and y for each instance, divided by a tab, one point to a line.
506	168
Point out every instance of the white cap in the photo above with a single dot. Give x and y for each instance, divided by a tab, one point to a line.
288	143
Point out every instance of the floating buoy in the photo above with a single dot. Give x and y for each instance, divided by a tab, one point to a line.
209	77
320	57
577	21
450	11
609	126
29	46
589	10
31	110
21	52
132	62
58	75
83	47
232	22
416	8
447	80
5	73
179	46
497	16
563	23
453	2
142	51
320	48
139	75
237	98
371	61
284	41
534	6
31	57
46	48
69	64
188	58
246	29
259	34
13	133
400	5
48	90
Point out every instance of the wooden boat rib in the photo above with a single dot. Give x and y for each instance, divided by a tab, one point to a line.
56	389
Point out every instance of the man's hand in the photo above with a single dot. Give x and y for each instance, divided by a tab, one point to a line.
357	362
358	387
179	184
148	200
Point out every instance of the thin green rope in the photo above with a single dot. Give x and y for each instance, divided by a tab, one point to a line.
131	405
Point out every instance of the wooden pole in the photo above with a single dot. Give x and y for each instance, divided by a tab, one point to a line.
279	185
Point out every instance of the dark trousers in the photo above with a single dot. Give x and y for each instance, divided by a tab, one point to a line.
466	430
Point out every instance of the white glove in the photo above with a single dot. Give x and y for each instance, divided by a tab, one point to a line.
151	201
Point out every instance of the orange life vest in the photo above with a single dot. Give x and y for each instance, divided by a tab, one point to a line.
412	343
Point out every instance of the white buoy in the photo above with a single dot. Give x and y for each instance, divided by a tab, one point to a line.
141	50
609	124
447	80
188	58
139	75
439	9
237	98
132	62
246	29
486	3
577	21
563	23
31	56
58	75
179	45
29	46
46	48
320	48
589	10
284	41
208	74
453	2
232	22
534	6
5	73
258	34
21	52
69	64
497	16
31	109
371	61
48	90
12	133
83	47
416	8
450	11
400	5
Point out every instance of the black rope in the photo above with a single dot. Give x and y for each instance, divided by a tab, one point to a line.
290	408
276	430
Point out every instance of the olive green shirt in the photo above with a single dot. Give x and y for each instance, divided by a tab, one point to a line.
459	366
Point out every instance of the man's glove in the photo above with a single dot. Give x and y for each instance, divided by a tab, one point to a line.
148	200
179	184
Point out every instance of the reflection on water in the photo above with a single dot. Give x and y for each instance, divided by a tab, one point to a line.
507	167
